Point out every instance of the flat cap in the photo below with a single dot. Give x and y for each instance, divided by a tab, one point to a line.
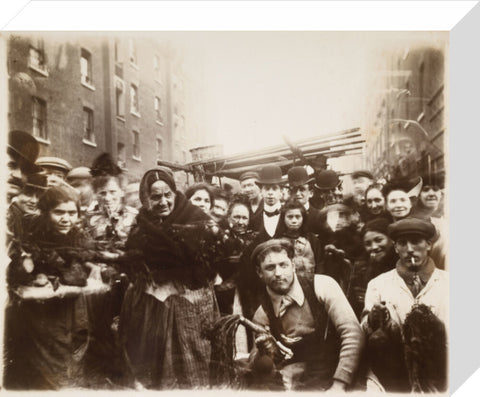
54	162
249	175
273	243
412	226
362	173
79	173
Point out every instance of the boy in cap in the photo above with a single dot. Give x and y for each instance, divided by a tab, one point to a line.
55	168
249	187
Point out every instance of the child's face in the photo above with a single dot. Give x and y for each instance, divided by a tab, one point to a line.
64	217
293	219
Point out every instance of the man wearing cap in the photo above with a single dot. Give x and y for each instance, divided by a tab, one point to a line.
312	319
270	182
301	188
55	168
81	179
361	180
22	152
248	186
415	278
328	189
390	298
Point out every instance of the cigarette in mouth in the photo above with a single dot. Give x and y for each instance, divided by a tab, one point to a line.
412	259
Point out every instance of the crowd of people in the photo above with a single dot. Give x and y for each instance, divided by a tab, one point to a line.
285	284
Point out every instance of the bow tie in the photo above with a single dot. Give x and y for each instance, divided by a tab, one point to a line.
273	213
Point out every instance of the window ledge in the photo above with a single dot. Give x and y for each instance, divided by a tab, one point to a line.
89	86
135	114
121	118
44	141
89	143
159	122
38	70
139	159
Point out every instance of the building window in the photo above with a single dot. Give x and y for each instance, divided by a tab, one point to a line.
119	97
88	131
158	108
136	144
159	148
122	158
36	59
132	51
39	115
156	68
134	108
86	67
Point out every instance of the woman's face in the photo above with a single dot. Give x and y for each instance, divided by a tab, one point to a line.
430	196
293	219
110	195
376	244
161	199
375	201
398	204
64	217
201	199
27	200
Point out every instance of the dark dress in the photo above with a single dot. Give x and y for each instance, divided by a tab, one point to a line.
171	303
47	339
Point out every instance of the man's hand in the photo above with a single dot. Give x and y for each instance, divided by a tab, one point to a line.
338	386
378	316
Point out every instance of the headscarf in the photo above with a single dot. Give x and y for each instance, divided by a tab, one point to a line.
157	174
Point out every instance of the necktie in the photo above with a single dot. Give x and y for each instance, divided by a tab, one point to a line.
417	284
284	304
273	213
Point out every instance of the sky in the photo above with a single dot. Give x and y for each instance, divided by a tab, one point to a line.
258	86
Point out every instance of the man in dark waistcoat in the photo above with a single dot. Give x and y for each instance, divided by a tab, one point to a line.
314	320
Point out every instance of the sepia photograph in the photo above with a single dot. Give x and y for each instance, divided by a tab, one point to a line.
227	210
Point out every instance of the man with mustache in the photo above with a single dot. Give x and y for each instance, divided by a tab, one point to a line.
415	278
312	319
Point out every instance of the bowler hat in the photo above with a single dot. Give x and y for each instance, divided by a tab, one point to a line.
23	147
270	175
362	173
434	179
249	175
37	181
54	162
412	226
327	180
298	176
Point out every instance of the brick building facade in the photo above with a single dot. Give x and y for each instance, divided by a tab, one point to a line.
84	94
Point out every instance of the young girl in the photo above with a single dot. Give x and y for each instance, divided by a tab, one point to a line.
306	245
49	334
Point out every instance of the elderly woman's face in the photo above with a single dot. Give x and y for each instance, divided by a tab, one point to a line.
161	199
64	217
201	199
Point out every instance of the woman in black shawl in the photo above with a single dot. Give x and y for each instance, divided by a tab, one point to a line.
171	302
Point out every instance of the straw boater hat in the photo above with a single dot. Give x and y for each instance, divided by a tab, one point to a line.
298	176
270	175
